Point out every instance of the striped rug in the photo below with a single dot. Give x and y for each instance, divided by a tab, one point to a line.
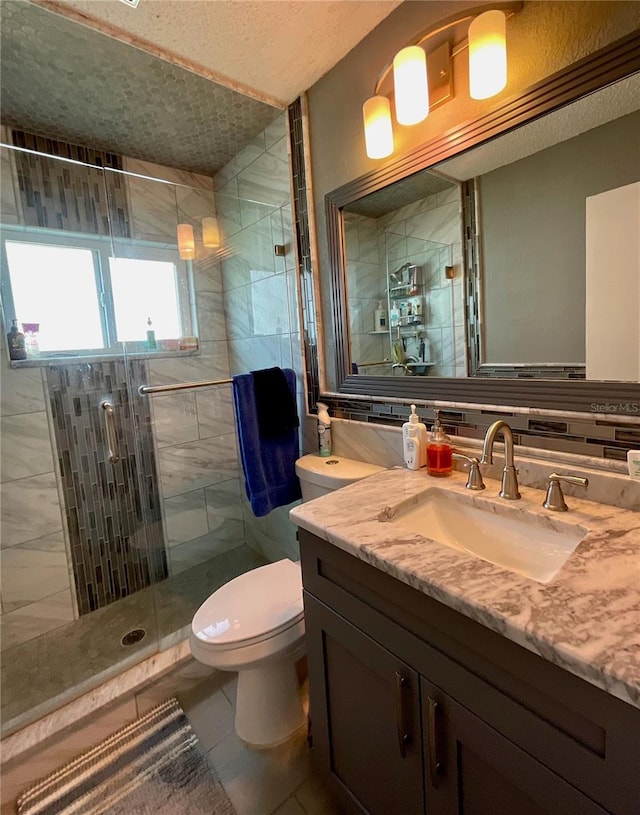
153	766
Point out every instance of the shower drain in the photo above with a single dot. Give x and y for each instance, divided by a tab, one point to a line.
133	636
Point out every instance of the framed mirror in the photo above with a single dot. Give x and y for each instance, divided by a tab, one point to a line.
460	271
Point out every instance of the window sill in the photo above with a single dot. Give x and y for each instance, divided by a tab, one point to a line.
71	359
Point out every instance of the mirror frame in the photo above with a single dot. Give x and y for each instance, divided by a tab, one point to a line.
604	67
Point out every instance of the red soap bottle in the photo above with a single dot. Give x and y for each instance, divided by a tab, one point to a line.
439	450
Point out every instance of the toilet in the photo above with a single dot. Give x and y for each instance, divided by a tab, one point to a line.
255	624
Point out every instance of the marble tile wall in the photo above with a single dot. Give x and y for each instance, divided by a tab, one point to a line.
427	233
366	285
260	288
410	235
35	581
194	431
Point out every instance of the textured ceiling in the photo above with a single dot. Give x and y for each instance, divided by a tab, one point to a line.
414	188
274	48
69	82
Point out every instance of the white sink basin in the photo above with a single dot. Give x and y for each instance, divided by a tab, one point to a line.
518	541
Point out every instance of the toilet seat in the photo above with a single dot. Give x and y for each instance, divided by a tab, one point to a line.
257	605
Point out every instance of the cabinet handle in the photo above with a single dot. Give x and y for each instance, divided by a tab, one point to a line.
110	428
403	737
434	764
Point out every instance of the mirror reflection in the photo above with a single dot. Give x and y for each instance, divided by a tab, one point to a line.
544	284
405	293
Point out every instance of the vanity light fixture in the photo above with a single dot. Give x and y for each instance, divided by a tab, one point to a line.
422	72
210	233
186	242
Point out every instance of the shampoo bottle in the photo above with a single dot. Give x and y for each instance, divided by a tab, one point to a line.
439	450
324	430
414	432
15	343
380	318
151	336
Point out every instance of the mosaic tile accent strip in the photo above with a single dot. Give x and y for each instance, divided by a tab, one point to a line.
112	510
74	197
303	241
597	438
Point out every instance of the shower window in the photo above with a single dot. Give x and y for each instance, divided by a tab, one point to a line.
48	282
142	289
88	302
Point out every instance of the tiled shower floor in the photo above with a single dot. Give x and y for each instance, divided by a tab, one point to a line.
39	675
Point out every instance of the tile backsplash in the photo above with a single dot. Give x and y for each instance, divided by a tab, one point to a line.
597	437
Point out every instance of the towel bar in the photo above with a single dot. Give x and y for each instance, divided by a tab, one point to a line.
143	390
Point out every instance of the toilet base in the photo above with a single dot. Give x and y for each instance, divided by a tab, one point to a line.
268	705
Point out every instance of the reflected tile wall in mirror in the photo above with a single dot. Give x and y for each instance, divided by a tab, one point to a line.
426	233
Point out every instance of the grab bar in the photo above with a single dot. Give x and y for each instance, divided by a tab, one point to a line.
110	428
183	386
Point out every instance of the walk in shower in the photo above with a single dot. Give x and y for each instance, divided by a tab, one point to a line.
123	510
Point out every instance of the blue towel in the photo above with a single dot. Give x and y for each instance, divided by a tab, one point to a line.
269	464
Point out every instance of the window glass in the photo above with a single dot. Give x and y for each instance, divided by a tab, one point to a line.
56	286
144	289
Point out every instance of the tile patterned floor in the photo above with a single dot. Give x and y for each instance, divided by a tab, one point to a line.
270	782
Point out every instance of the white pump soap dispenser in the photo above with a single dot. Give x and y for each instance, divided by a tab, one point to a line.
414	441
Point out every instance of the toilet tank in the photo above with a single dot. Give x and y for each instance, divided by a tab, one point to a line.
320	475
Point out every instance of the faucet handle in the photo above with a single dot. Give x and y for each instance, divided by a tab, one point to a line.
555	498
474	481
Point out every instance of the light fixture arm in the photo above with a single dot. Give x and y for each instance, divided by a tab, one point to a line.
440	33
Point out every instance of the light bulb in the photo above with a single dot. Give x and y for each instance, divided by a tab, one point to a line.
378	133
186	242
410	85
487	54
210	233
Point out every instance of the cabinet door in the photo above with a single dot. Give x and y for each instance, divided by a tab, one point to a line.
365	718
471	769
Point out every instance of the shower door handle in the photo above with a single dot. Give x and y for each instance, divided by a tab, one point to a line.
110	429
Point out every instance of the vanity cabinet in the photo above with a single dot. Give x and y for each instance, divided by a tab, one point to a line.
416	708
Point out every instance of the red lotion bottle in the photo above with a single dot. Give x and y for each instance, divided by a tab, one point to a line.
439	450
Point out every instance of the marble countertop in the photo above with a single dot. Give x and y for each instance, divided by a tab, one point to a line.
586	619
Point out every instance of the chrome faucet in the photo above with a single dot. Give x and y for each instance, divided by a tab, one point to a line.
509	474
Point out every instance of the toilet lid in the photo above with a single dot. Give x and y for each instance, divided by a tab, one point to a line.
255	605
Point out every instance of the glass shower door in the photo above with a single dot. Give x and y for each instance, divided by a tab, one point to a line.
76	563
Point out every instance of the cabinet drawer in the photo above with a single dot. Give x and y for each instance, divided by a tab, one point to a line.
577	730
